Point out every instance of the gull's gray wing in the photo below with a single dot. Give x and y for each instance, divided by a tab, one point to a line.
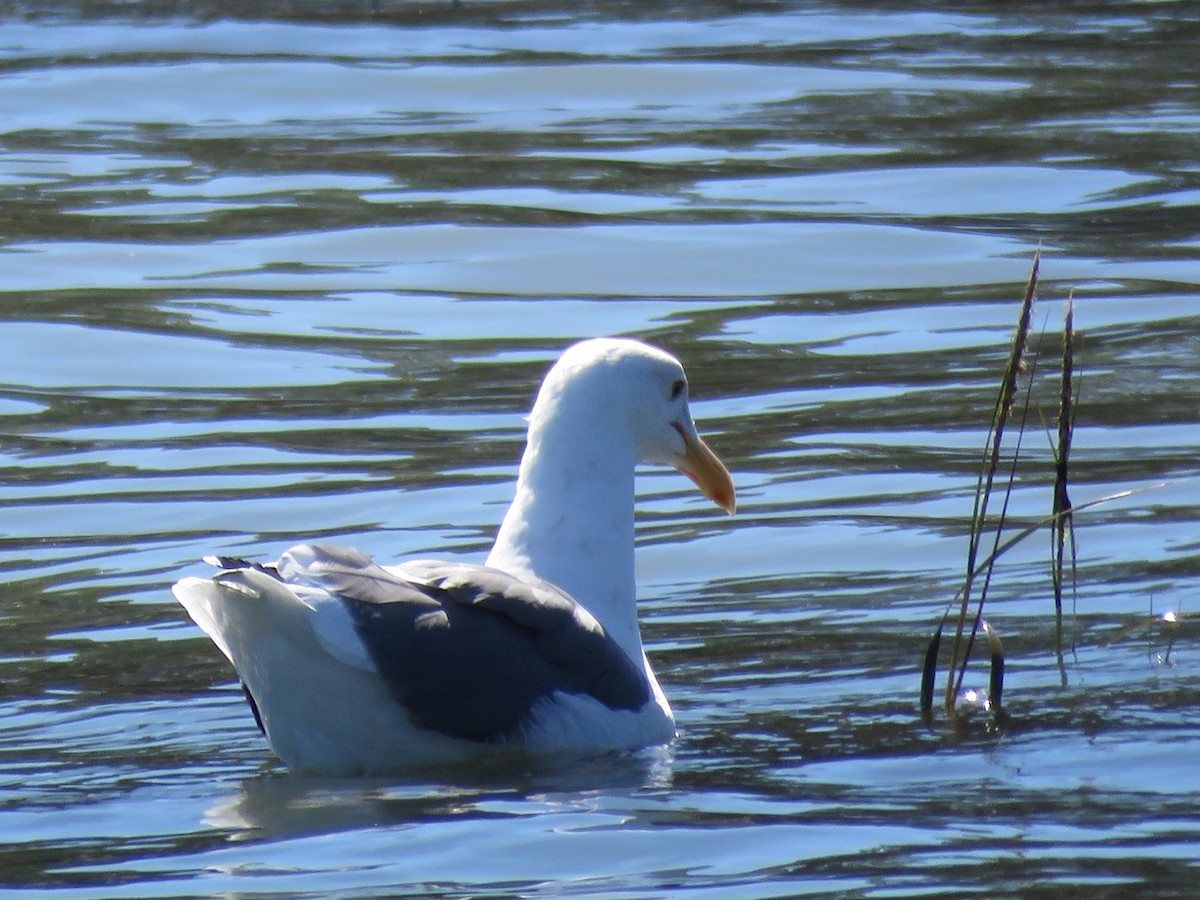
468	650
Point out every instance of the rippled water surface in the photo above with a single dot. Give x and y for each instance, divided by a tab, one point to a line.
299	274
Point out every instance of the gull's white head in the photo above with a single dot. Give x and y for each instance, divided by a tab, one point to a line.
618	386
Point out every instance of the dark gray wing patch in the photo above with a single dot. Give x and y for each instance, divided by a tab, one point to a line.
468	650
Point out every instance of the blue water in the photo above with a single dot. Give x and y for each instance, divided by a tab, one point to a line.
299	273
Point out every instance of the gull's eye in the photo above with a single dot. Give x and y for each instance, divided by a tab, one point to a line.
677	388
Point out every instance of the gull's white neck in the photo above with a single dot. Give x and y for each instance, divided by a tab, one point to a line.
571	522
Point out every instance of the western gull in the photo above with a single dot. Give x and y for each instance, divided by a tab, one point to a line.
351	667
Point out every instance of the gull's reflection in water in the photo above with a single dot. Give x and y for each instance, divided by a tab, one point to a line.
276	803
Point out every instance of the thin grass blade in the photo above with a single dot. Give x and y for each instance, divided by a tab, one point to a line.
929	671
999	532
996	669
1064	524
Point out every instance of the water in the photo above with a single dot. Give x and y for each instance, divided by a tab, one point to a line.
299	274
